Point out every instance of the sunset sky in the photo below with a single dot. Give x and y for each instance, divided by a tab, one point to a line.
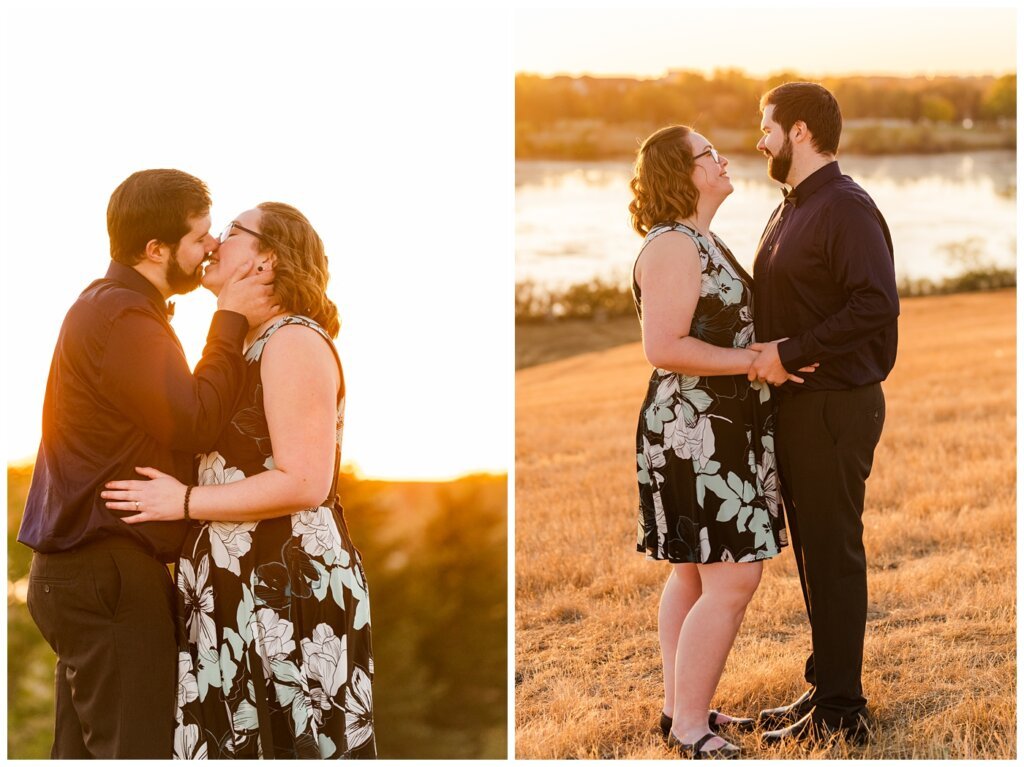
357	118
771	37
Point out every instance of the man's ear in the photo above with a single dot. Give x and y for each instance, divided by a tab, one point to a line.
799	132
156	252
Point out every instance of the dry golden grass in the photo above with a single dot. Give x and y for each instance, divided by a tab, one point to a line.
940	536
540	342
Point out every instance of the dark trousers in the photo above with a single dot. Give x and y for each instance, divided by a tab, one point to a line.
826	442
106	609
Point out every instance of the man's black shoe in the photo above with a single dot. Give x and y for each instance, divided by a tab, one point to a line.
807	728
783	715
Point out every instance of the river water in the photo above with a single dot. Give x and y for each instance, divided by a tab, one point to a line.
572	219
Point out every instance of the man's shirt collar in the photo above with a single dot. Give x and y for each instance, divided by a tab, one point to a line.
812	183
131	279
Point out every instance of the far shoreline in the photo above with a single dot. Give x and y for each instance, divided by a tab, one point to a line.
538	343
596	140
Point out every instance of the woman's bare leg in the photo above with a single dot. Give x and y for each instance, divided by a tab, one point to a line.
682	589
705	639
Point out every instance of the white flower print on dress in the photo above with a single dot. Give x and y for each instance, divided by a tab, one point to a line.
709	447
745	335
273	637
660	523
292	690
187	743
720	283
694	399
318	530
767	476
660	409
696	442
197	595
325	657
318	703
358	708
229	541
213	470
290	591
188	688
653	457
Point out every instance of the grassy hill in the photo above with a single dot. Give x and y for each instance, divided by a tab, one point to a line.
939	531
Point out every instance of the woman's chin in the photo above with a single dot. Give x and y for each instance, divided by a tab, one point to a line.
211	285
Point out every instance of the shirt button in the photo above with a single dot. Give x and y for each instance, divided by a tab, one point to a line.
46	588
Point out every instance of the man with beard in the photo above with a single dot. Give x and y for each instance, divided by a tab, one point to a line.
824	283
120	395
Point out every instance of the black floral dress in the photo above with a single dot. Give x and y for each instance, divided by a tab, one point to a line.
705	445
275	658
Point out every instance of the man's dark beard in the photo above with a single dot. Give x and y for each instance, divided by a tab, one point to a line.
779	164
180	281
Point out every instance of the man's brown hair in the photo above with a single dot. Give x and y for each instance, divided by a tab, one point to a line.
811	104
153	205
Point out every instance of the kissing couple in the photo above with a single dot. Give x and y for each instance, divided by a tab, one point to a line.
259	646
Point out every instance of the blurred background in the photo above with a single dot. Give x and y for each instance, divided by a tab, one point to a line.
929	103
349	116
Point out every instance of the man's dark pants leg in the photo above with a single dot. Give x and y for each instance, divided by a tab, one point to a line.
826	443
106	609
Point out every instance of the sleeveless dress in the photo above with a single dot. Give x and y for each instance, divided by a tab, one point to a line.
274	617
705	447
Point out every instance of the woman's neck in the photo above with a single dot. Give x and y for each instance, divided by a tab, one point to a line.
700	219
256	332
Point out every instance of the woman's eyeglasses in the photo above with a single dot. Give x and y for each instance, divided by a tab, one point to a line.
710	150
235	225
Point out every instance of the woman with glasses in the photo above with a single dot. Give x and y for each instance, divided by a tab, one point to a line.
705	453
275	660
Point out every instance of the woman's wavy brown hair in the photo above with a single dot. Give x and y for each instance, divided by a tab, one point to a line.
300	266
662	184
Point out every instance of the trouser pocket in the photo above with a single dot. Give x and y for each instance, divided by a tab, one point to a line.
108	583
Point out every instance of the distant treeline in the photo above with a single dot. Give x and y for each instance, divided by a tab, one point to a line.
596	117
601	299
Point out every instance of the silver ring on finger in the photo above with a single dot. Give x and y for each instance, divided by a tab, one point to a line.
136	506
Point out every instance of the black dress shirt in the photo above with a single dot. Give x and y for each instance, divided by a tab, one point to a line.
119	395
824	278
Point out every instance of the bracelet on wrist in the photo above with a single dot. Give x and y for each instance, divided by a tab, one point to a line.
188	492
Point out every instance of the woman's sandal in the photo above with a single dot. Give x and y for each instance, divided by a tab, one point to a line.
695	750
743	725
